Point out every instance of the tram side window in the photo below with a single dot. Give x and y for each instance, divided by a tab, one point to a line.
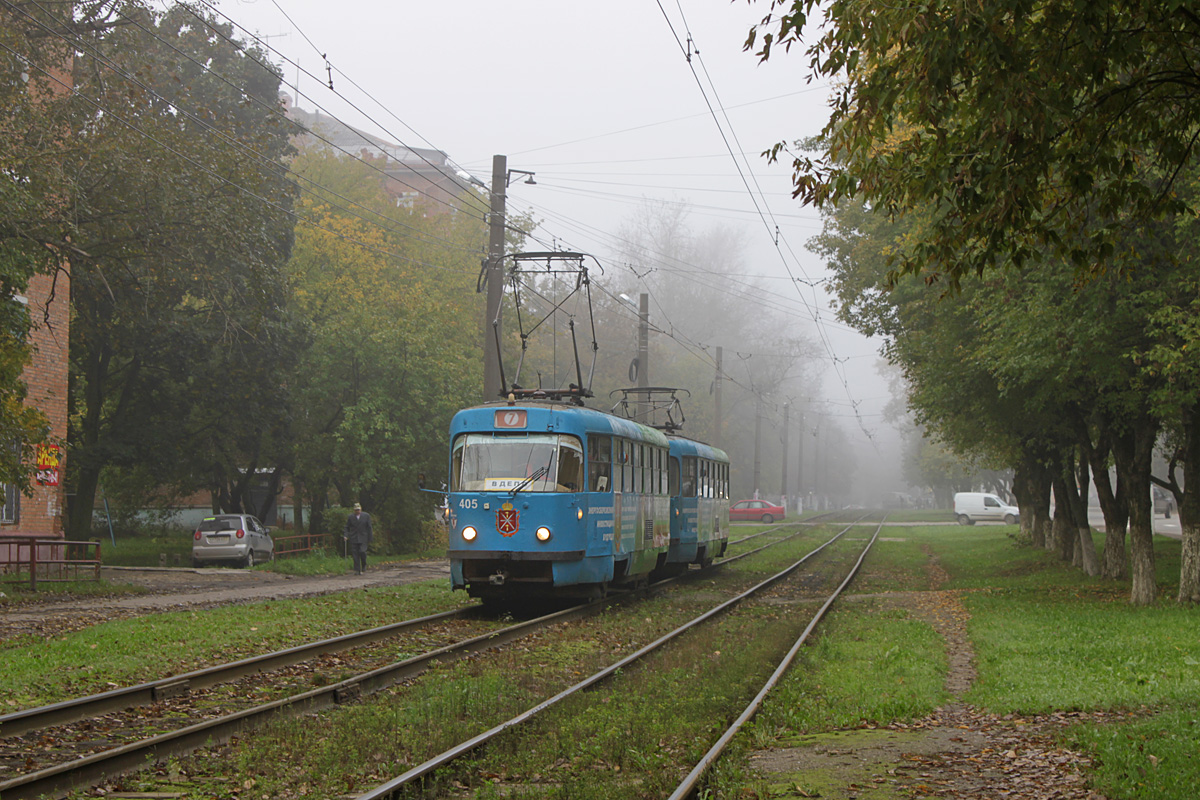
672	476
660	473
639	468
600	464
689	477
630	470
570	469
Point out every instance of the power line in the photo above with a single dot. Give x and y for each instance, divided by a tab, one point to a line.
453	178
270	164
687	52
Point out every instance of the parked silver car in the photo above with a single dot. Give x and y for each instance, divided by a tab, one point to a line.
234	538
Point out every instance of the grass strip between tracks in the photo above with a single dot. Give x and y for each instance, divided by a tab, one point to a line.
359	746
123	652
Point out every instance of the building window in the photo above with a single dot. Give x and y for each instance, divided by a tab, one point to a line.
10	512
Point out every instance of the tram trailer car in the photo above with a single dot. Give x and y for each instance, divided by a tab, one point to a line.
698	483
553	500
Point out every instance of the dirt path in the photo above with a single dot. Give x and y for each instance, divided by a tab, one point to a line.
177	588
956	752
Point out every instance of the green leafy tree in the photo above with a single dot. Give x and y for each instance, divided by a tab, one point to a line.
34	136
179	210
387	297
1026	129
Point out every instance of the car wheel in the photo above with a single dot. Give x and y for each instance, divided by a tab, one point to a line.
1009	519
249	562
767	518
963	519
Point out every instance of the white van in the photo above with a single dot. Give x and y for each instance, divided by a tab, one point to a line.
970	507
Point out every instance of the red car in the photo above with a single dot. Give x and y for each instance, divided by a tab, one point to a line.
755	510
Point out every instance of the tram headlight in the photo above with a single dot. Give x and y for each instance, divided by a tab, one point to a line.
469	533
543	534
579	513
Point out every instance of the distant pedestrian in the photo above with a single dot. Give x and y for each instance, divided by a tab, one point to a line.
358	536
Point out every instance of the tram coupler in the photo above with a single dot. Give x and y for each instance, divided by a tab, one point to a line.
498	578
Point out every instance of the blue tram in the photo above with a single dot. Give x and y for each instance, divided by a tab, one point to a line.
698	483
553	500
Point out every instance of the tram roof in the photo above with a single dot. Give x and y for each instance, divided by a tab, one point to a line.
690	447
550	416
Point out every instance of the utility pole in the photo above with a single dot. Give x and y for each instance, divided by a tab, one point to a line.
492	387
800	459
717	402
643	357
783	490
757	439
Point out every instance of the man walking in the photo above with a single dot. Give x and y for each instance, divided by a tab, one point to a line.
358	535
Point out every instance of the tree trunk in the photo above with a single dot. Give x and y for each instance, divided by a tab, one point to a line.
1062	532
85	451
297	505
1086	546
1189	509
1116	512
1133	470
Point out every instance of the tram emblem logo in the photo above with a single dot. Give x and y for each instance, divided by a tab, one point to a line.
507	519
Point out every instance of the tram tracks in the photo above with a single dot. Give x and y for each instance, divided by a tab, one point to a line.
94	767
399	786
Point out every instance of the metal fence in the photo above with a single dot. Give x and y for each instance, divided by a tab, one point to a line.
33	560
302	543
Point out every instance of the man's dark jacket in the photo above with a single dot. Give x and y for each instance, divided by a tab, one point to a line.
358	529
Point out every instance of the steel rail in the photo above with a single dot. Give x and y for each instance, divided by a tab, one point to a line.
68	711
688	786
58	780
389	788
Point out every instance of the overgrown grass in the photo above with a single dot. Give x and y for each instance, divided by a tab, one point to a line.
39	671
899	666
1148	758
1047	638
146	548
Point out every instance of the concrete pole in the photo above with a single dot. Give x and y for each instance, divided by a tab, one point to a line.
757	440
492	332
716	436
783	488
643	357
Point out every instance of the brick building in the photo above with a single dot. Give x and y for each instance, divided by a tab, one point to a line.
413	176
48	299
46	378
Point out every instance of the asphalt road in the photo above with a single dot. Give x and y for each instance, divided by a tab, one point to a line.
1163	526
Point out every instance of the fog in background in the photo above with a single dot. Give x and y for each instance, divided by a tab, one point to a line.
644	129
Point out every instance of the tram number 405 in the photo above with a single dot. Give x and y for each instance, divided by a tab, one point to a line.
468	502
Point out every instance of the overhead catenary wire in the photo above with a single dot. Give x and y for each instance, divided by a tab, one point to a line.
482	208
826	342
388	225
204	168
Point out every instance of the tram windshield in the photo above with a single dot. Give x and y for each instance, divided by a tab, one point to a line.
536	463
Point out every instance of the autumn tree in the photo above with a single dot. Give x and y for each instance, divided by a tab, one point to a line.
179	214
387	299
1026	129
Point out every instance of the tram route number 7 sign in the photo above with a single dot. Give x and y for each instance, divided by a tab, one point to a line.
511	418
49	465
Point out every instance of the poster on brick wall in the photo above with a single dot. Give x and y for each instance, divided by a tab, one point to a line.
49	461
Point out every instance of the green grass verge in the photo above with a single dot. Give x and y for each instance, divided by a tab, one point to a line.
125	652
1047	638
1152	758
